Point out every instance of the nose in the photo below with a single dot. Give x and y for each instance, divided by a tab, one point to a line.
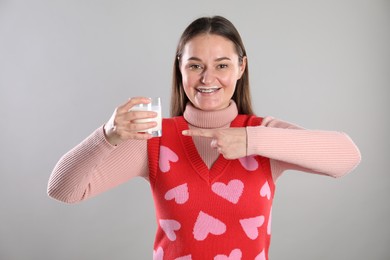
207	77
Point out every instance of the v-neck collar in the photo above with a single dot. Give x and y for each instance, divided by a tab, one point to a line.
219	166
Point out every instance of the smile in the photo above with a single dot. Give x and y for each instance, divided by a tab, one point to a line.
207	90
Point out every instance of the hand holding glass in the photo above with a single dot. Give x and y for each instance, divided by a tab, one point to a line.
155	106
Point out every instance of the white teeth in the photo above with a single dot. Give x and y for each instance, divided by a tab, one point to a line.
207	90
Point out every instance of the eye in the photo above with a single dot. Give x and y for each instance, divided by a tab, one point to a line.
195	67
222	66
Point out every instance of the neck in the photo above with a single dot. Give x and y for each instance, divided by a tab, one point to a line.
210	119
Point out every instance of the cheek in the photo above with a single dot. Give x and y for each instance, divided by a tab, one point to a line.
189	80
184	77
229	80
187	86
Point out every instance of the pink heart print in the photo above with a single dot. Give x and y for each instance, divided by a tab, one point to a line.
205	225
166	157
261	256
170	226
187	257
158	254
179	194
269	222
265	191
231	191
251	226
236	254
249	163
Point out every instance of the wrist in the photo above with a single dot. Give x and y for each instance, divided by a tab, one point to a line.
110	135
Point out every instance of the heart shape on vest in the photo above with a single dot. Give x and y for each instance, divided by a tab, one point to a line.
205	225
269	222
251	226
170	226
265	191
158	254
231	191
261	256
179	194
236	254
166	157
249	163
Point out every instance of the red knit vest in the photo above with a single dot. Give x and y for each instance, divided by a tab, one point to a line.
218	213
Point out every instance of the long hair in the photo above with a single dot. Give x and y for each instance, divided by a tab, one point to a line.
217	25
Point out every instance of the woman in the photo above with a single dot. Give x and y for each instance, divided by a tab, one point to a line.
212	173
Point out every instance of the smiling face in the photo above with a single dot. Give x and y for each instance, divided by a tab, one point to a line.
210	68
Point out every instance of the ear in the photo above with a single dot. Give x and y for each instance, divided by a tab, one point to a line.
242	67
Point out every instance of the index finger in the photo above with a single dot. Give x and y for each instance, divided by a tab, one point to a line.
199	132
132	102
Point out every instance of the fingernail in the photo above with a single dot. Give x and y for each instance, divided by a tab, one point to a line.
184	132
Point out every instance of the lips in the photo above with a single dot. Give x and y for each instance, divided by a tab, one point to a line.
207	90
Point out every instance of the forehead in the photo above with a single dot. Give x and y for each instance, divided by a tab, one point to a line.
209	45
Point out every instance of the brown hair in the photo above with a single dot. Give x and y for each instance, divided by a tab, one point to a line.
219	26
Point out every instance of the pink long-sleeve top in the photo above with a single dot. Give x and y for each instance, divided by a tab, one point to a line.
95	165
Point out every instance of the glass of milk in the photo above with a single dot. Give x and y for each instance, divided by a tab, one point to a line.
155	106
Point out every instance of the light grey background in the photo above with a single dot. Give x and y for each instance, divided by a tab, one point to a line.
65	66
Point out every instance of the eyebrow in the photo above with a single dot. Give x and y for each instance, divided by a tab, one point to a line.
219	59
